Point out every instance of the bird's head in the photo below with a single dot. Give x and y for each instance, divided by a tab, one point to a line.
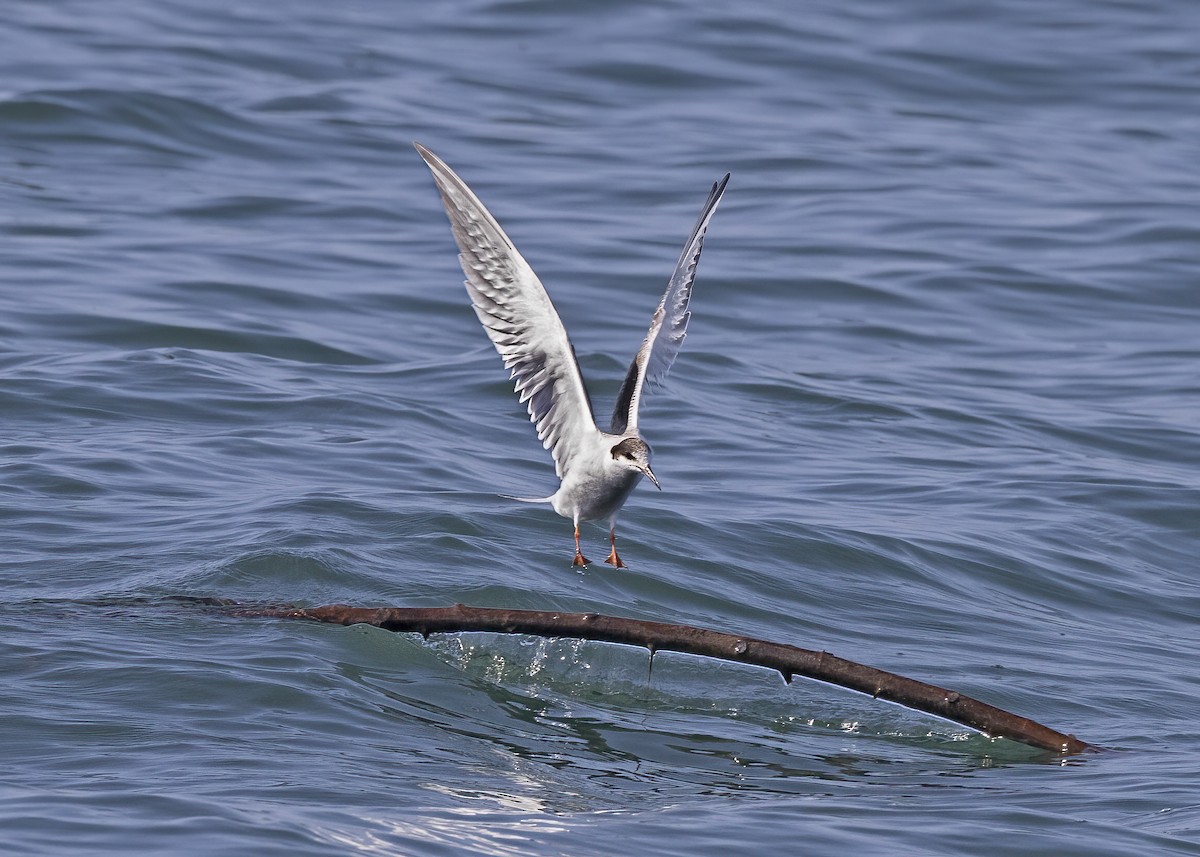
633	453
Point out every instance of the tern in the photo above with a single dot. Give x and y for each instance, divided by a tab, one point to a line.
597	469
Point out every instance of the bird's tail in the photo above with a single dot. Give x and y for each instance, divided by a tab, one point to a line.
528	499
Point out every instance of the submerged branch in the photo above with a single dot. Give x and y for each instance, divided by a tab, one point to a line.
789	661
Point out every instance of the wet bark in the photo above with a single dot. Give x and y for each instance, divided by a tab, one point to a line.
789	661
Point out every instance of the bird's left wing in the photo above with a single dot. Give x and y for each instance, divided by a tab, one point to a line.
520	320
668	327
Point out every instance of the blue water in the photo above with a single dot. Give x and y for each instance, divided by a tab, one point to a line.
938	412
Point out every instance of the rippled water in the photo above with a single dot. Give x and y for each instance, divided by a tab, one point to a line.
937	412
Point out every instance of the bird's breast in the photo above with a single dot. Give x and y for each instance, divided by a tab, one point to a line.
596	495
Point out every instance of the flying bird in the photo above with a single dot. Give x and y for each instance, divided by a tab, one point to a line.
597	469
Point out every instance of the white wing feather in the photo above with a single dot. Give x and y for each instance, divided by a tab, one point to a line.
518	316
668	326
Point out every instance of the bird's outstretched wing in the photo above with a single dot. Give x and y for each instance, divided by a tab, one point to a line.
668	327
520	320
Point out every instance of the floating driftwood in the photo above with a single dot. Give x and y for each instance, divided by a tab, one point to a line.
789	661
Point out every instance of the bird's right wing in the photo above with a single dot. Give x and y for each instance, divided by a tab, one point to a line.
520	320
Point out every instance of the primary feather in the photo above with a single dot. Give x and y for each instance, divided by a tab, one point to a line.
519	318
668	326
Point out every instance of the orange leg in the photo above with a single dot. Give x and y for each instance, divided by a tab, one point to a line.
580	559
613	559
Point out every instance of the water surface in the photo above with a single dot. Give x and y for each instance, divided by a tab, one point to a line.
937	412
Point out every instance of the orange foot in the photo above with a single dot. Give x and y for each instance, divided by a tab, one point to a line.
613	559
580	560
